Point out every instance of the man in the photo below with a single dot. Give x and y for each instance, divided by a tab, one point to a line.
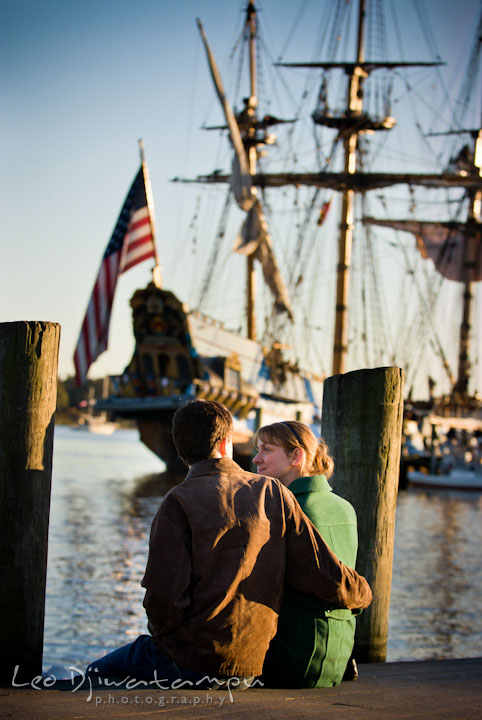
223	545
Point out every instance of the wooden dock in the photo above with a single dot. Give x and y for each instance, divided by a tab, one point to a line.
409	690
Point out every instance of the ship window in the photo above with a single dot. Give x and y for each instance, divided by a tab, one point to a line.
233	378
148	365
163	361
183	368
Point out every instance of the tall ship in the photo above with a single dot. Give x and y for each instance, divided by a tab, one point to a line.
346	287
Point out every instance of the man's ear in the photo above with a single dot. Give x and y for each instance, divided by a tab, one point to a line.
222	447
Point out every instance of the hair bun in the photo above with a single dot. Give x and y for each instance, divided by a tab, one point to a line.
323	462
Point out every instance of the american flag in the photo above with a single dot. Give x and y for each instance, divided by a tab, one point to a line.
131	243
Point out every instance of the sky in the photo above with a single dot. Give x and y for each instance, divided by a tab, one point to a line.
80	83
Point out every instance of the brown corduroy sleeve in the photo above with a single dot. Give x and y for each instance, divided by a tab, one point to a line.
311	567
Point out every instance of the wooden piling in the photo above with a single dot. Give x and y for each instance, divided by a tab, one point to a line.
28	389
362	425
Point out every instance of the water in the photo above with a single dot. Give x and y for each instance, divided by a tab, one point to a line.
105	492
436	601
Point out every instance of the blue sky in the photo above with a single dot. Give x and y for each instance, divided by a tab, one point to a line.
80	82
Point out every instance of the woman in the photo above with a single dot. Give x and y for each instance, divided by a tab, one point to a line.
313	643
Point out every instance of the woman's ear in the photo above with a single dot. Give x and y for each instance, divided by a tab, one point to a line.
297	456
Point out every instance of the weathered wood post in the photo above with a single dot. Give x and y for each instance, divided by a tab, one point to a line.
362	425
28	387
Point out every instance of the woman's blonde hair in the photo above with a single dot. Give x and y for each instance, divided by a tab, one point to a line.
291	434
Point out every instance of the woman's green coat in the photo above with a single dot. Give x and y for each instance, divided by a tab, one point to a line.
313	643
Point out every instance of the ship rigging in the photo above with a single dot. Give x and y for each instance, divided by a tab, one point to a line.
352	125
269	362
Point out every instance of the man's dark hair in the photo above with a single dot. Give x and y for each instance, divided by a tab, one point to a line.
198	427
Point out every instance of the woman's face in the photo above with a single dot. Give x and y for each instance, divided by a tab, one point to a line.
275	461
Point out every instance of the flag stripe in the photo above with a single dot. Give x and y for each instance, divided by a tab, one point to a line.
84	347
135	225
138	244
91	331
103	288
79	361
136	255
137	251
138	260
142	232
97	300
141	217
144	242
130	243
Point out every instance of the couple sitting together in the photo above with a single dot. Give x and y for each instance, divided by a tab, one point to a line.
248	575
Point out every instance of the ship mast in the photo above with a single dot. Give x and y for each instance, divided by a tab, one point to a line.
248	135
252	104
350	143
471	245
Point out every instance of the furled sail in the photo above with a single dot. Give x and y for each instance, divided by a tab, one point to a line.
255	238
240	177
444	244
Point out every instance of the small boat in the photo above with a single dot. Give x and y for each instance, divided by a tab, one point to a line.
454	457
455	479
96	424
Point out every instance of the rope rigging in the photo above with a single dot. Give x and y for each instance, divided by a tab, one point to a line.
211	267
300	238
411	341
